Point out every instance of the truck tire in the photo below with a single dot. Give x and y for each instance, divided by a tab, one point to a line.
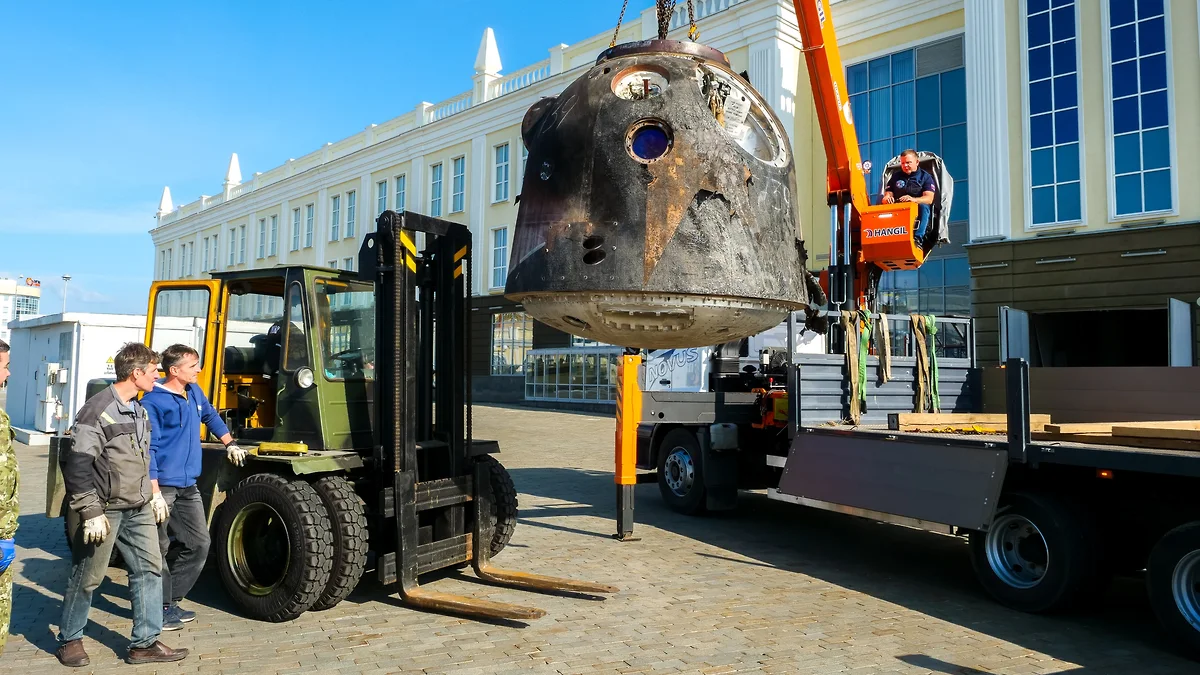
1039	554
274	539
348	525
1173	583
681	472
504	503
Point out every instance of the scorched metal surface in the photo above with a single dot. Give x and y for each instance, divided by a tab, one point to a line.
657	208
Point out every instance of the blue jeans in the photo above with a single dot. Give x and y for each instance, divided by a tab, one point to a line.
923	212
135	534
188	524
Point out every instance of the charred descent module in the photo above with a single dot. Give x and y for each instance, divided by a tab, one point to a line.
657	208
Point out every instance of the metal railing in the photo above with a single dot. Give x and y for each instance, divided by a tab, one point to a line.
572	374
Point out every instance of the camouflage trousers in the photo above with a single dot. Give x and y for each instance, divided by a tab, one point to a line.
5	605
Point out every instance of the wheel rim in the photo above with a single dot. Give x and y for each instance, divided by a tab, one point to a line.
259	549
1185	586
1017	551
679	471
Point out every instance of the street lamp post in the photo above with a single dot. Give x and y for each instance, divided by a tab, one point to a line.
66	280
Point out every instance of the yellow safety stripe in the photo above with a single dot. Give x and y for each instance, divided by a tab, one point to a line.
411	262
458	255
458	271
408	243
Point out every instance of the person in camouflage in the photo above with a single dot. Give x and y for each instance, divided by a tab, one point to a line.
8	506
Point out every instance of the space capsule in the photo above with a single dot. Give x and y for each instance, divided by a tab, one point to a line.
658	205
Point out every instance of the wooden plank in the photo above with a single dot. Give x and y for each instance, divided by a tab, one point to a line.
932	421
1122	441
1184	431
1108	427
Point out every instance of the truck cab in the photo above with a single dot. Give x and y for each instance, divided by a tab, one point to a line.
287	353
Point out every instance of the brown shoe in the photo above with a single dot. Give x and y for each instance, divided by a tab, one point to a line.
158	653
71	654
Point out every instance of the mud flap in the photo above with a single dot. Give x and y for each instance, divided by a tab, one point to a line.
720	474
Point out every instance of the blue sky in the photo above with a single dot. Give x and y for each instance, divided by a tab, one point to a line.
102	104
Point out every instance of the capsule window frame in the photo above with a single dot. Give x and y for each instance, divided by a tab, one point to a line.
643	123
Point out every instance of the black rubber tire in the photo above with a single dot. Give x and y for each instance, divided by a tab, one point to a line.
504	503
692	502
1072	567
304	542
348	523
1164	557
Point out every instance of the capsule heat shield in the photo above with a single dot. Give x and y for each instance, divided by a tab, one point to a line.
657	208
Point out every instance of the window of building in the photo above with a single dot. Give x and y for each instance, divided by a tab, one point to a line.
499	257
241	244
1140	115
512	338
273	243
191	258
216	248
232	246
401	190
916	98
333	264
204	255
25	305
351	209
458	184
163	271
335	217
435	190
524	159
348	264
262	238
182	260
295	229
381	190
309	215
501	173
1055	193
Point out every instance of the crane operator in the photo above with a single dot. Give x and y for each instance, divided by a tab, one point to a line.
913	184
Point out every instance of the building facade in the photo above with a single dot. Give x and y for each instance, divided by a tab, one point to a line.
1028	101
18	299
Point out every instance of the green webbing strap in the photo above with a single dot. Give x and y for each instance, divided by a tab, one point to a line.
931	331
864	348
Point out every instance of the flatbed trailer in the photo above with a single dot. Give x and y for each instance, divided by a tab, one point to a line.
1049	521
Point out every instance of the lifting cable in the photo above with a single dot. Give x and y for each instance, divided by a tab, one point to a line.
664	9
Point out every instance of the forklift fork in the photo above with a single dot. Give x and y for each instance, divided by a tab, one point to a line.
427	485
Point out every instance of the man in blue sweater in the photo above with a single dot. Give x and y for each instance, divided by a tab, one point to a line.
176	408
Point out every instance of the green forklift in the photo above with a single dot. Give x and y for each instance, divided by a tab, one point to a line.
352	393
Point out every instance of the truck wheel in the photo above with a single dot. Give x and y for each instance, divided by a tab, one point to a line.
681	472
1038	555
348	521
1173	583
504	503
274	539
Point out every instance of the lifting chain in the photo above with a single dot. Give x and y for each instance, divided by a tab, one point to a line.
665	9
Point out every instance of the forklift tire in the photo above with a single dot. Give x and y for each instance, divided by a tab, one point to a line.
273	543
1039	555
348	521
504	503
1173	583
681	472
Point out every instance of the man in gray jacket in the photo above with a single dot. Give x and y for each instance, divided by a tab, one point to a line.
114	502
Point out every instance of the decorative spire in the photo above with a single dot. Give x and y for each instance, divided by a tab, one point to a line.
234	175
487	62
165	205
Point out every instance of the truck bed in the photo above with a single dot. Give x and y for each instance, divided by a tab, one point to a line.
1094	454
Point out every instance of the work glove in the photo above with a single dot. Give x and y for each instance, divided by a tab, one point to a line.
8	552
95	530
235	454
161	512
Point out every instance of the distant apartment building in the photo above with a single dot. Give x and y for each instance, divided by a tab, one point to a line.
1066	172
18	299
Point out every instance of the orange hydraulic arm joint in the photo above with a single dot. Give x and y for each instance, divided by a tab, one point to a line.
862	236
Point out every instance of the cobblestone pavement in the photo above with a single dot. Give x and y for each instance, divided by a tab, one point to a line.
774	588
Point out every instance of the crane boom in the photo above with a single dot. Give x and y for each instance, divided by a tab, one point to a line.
864	238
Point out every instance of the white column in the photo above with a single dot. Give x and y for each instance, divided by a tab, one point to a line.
321	226
285	231
414	198
479	207
365	209
987	120
774	69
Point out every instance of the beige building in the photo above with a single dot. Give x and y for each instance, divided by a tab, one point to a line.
1030	103
18	299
